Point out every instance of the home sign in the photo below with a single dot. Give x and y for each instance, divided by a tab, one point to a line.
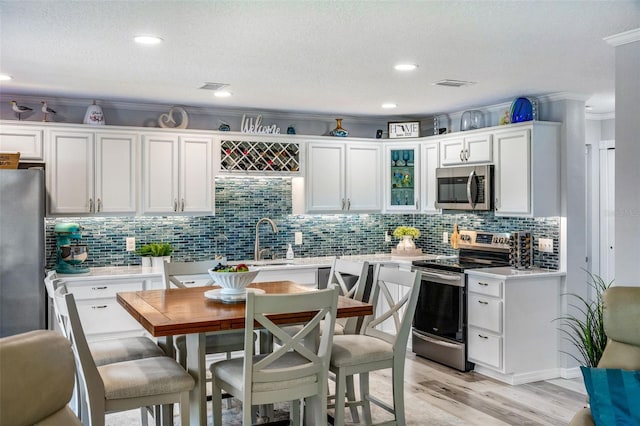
404	129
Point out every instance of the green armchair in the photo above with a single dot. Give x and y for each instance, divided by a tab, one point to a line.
621	319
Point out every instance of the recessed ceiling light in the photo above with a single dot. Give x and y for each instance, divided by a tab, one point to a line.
588	108
221	93
405	67
147	39
5	77
389	105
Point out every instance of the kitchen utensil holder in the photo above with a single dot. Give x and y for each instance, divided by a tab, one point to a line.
521	250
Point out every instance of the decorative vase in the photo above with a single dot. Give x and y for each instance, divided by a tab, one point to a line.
406	244
471	120
339	131
146	262
94	115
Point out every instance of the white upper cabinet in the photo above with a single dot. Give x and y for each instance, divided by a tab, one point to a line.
527	170
28	141
402	174
343	177
92	172
430	159
177	174
473	148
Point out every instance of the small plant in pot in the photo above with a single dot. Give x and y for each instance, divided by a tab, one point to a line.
156	253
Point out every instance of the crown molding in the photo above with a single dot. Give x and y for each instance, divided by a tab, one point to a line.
623	38
564	96
161	108
600	116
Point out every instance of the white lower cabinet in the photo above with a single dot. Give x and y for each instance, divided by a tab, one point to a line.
512	335
101	315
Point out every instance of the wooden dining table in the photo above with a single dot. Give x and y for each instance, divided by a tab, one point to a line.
176	311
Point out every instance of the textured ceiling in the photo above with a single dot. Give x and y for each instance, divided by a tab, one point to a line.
314	56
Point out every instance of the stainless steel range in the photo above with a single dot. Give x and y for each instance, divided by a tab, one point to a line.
440	321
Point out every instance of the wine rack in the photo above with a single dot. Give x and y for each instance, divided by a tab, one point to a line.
259	157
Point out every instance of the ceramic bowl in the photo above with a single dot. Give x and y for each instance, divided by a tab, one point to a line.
233	282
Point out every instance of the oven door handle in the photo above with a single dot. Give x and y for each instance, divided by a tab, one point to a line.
470	196
440	276
434	341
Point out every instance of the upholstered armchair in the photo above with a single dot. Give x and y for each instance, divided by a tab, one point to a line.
621	324
37	372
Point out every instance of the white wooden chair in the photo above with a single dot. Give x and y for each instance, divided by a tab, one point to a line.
104	351
122	385
375	349
340	271
295	370
215	343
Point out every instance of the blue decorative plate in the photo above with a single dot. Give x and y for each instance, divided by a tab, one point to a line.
521	110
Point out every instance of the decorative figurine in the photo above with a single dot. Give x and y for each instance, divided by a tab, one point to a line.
166	120
224	127
379	134
94	115
46	111
291	130
20	109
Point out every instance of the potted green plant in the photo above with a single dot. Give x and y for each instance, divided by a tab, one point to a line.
157	253
585	329
406	234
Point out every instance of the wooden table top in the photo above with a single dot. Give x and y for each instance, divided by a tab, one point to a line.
186	310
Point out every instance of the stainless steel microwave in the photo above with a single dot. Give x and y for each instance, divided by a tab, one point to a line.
465	188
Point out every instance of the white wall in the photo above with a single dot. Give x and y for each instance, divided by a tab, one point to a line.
627	136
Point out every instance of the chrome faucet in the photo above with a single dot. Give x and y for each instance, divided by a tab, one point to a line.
257	254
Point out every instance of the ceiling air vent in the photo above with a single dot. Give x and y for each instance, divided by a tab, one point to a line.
213	86
453	83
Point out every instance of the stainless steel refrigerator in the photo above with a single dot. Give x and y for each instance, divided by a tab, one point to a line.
22	251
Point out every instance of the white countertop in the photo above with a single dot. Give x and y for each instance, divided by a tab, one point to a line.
113	271
511	273
276	264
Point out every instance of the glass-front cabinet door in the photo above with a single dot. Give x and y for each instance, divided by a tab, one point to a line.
402	169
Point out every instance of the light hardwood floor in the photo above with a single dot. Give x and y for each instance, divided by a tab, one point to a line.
436	395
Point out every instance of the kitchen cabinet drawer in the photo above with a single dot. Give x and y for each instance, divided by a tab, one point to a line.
105	316
488	286
485	312
485	348
101	289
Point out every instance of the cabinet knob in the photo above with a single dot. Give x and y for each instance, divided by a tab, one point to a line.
175	205
484	284
343	204
482	337
348	203
462	155
104	287
482	302
182	205
99	307
99	205
91	205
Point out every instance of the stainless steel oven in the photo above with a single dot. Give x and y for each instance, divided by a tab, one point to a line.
465	188
439	326
440	322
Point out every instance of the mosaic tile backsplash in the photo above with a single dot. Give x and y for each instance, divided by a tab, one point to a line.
241	202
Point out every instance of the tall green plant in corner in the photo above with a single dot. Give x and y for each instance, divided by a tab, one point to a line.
585	329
